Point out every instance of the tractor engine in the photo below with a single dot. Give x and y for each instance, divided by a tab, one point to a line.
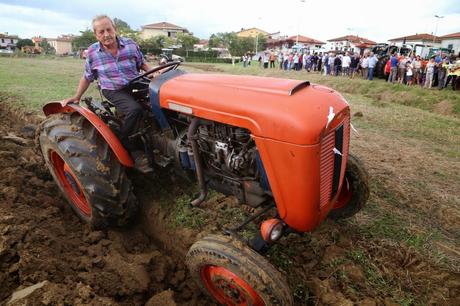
230	160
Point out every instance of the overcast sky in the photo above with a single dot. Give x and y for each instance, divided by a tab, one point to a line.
323	20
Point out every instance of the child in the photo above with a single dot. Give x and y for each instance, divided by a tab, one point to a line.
409	73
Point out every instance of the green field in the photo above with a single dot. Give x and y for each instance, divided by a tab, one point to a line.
409	139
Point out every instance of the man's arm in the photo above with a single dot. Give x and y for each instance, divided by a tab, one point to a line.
82	87
146	67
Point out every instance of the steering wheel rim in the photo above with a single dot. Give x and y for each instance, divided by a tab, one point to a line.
168	67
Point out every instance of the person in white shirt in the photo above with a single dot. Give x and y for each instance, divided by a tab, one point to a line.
365	66
346	60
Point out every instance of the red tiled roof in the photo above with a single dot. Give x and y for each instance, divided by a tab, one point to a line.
163	25
203	41
354	39
423	36
8	36
306	40
453	35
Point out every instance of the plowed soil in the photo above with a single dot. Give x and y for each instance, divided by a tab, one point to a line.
345	263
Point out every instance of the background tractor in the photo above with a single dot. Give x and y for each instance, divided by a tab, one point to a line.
279	146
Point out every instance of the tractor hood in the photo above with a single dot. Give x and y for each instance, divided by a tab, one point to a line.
280	109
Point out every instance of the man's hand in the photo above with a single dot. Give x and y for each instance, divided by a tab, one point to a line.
70	100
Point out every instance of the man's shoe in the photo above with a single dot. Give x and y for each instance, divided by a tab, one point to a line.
141	162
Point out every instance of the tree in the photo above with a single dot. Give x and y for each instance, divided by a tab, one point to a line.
123	29
187	40
83	41
222	40
46	47
121	25
24	42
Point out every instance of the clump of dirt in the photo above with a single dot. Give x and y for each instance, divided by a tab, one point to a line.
43	242
444	107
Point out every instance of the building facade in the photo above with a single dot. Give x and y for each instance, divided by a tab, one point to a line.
252	32
8	41
305	43
162	28
62	44
427	40
350	43
451	42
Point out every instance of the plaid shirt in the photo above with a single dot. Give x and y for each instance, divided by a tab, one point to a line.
113	72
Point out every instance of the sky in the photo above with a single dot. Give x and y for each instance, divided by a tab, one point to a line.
322	20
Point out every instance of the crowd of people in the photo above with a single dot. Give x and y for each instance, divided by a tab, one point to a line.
439	71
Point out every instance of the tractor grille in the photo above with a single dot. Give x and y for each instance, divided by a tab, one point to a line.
332	165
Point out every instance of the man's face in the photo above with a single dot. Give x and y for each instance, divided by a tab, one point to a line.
105	32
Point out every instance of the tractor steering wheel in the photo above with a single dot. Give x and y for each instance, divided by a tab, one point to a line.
163	68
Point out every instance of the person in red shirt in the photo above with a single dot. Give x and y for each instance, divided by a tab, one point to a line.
387	69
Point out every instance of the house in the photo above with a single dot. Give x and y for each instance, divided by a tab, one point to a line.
451	42
202	45
427	40
8	41
350	43
162	28
252	32
62	44
288	42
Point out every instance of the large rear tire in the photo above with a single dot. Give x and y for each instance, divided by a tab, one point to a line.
355	190
87	172
233	274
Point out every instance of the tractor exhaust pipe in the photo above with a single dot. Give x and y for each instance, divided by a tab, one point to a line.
191	136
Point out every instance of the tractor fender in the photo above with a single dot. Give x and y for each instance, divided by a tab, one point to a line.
112	140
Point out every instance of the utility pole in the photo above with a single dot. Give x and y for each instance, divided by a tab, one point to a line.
436	28
298	26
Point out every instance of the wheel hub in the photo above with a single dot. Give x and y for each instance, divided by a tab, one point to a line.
228	288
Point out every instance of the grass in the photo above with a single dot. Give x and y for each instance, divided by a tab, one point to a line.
35	81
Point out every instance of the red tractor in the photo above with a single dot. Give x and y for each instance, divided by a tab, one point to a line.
277	145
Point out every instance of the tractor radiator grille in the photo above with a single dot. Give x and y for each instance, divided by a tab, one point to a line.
332	165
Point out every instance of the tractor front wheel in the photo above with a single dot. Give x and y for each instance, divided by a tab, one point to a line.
87	172
233	274
355	190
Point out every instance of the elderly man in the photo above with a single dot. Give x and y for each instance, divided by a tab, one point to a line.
115	60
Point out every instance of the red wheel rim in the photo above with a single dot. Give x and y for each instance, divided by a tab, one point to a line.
70	183
227	288
345	194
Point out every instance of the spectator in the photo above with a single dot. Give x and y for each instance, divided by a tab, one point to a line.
272	60
365	66
320	62
372	61
401	69
346	61
409	73
296	61
337	65
326	64
245	60
280	59
429	72
354	65
387	69
453	73
331	63
266	59
393	68
417	63
442	72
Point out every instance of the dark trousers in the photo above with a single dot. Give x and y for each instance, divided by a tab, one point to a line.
131	111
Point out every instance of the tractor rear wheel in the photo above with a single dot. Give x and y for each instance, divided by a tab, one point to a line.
233	274
87	172
355	190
